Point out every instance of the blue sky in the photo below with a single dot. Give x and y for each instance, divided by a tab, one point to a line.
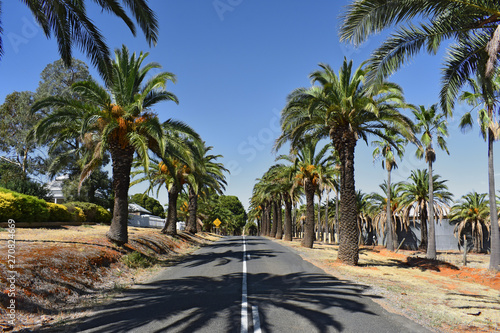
235	62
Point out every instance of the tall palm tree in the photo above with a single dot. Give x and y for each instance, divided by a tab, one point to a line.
474	26
379	210
68	21
415	200
485	95
208	174
433	126
308	162
117	119
472	211
387	148
343	109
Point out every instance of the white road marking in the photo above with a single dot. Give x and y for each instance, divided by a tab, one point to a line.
244	302
256	319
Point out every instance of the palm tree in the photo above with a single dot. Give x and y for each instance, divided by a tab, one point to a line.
345	110
366	213
385	149
208	174
473	25
380	212
472	211
307	163
70	24
116	119
415	200
475	28
486	92
433	126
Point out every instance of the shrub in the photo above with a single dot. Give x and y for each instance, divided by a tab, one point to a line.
77	214
92	212
21	207
59	213
137	260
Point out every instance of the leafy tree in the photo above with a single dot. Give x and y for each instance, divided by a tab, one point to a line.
151	204
16	122
387	148
471	212
433	127
116	119
70	24
237	219
9	179
343	109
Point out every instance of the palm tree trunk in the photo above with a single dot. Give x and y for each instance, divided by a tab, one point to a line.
431	245
274	220
495	232
192	210
122	164
326	217
308	239
423	227
279	226
288	217
170	227
388	212
349	232
337	225
268	218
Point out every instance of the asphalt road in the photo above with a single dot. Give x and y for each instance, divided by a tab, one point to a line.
284	293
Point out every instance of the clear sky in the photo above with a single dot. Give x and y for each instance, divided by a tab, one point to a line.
235	62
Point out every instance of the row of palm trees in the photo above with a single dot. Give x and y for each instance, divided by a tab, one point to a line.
118	119
473	27
354	104
345	108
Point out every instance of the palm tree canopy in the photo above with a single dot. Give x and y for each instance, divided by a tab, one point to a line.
388	148
342	103
432	126
69	23
472	24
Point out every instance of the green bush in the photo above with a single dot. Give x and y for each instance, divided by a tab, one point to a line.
137	260
92	212
59	213
22	207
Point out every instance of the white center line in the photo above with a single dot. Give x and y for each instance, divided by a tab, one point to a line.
256	319
244	302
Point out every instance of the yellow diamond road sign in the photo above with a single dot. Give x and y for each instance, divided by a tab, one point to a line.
217	222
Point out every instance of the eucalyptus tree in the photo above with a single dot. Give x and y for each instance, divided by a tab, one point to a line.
433	127
116	119
344	109
472	211
208	173
485	96
415	201
387	148
69	22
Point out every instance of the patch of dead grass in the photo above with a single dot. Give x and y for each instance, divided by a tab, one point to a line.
63	272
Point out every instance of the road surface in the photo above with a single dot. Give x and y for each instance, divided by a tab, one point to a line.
246	284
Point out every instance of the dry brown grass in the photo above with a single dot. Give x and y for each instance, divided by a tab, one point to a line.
441	294
64	272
